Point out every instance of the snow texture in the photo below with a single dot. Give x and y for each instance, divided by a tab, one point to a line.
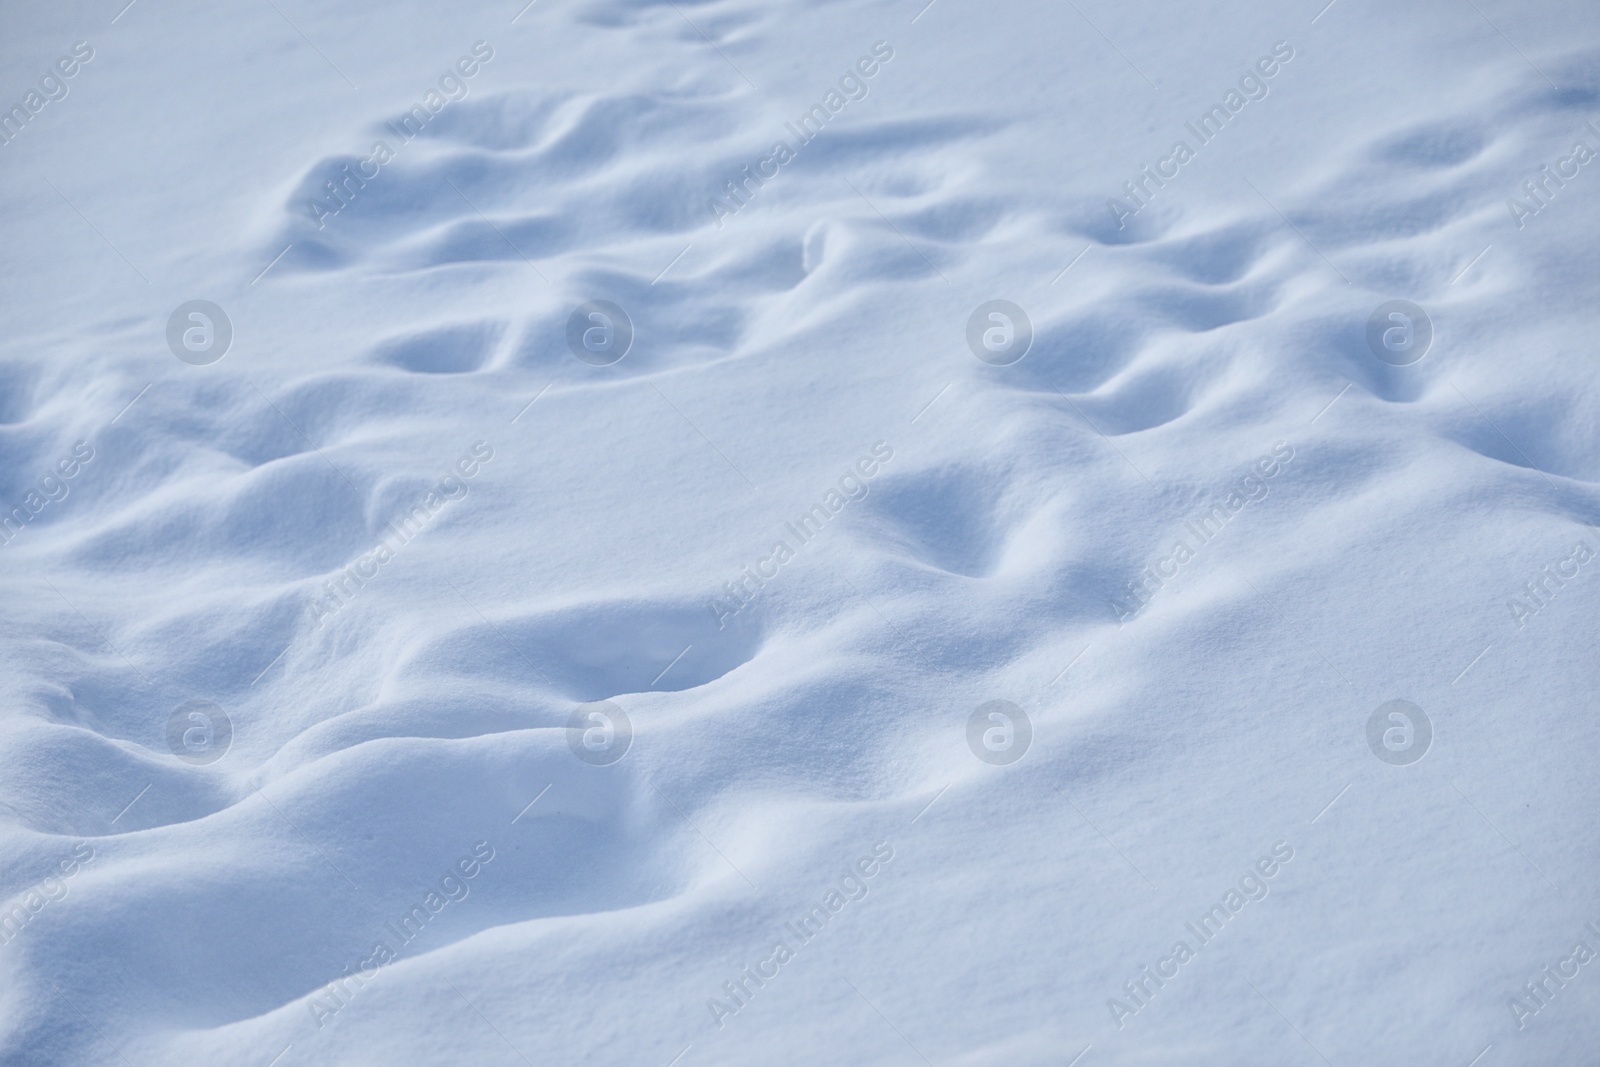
835	532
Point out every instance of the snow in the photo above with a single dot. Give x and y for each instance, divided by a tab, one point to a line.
506	564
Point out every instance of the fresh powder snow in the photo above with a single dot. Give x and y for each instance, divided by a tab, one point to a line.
674	533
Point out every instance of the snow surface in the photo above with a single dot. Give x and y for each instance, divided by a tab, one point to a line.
224	785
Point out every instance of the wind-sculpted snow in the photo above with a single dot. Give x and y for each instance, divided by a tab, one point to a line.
724	533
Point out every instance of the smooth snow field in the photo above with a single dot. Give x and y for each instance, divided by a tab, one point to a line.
669	533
